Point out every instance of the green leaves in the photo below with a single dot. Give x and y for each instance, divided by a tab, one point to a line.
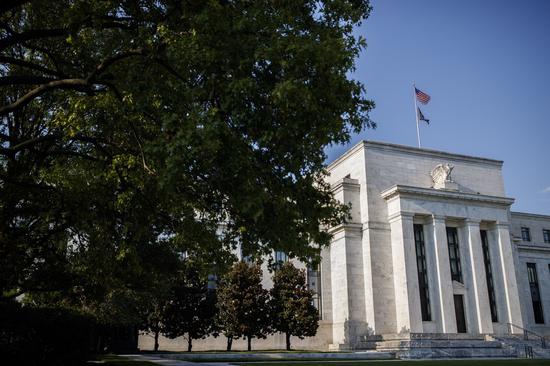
144	125
242	303
292	307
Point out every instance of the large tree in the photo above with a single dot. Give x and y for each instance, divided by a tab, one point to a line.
292	307
243	304
129	126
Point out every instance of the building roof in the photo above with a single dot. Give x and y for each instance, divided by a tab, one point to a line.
411	150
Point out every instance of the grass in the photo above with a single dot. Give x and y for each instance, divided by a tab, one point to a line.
471	362
111	360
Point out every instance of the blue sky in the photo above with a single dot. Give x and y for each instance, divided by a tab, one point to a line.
486	65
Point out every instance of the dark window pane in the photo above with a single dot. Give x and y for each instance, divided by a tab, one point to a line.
454	254
314	283
525	234
422	273
535	292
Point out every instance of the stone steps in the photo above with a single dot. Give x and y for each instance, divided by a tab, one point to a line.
432	343
469	352
519	345
416	346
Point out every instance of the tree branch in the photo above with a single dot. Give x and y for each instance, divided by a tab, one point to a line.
24	80
75	84
33	141
111	60
28	65
30	35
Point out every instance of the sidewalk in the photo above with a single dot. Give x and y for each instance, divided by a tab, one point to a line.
171	362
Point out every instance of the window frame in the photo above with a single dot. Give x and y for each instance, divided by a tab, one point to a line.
536	298
422	269
546	236
525	234
454	254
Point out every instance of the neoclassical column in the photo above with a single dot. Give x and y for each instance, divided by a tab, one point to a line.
339	285
478	296
505	264
443	286
405	274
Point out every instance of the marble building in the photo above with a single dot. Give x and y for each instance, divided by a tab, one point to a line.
432	246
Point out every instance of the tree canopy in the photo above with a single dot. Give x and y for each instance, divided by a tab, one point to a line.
243	306
131	129
292	307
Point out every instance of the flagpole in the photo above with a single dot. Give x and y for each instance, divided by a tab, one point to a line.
416	114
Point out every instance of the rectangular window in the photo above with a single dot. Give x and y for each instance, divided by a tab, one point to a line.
489	275
422	272
280	256
314	283
535	292
546	235
525	234
454	254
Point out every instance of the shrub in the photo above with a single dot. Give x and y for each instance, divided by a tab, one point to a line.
43	336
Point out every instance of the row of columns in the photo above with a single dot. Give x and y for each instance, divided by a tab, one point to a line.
478	314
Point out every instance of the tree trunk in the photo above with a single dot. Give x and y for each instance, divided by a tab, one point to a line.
189	343
249	343
229	343
287	341
156	341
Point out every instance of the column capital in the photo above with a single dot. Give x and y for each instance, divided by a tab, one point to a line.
502	224
438	218
401	215
472	222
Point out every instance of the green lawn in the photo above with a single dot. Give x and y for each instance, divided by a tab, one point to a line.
111	360
121	361
517	362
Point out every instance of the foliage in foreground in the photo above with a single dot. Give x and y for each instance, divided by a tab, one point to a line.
130	130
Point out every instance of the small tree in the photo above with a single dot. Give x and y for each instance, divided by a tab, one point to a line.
292	307
243	304
153	315
191	310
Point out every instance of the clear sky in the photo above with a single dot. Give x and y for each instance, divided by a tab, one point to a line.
486	65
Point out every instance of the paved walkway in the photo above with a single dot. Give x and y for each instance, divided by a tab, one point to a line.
171	362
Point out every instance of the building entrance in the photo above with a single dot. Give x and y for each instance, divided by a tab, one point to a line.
460	316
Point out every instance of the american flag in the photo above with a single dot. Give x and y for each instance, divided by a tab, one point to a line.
422	97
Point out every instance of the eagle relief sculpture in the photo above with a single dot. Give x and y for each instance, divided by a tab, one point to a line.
441	177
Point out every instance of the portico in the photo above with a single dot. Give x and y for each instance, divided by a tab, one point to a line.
440	212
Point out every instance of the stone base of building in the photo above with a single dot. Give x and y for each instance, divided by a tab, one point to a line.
273	342
439	345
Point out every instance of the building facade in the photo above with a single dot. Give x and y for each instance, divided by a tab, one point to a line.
431	247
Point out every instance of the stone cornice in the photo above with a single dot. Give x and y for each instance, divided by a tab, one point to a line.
409	191
343	227
346	182
530	215
429	152
354	149
411	150
533	248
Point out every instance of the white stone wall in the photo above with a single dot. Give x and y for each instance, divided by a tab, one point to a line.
538	252
274	342
378	167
